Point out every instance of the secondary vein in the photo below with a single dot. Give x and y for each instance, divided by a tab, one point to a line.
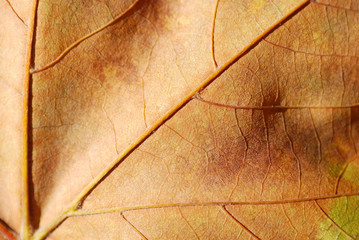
14	11
76	43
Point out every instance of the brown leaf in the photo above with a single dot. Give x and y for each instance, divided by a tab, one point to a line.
181	119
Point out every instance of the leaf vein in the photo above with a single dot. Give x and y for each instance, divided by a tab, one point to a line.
237	221
17	15
133	227
279	107
82	212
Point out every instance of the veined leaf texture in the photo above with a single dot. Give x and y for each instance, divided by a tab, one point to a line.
179	119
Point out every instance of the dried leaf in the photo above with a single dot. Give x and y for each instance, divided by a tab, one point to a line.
181	119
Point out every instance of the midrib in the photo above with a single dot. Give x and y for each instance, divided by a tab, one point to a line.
25	233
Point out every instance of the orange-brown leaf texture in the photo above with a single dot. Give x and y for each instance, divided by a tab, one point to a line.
179	119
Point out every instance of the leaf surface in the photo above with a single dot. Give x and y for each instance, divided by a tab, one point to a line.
12	65
186	119
105	93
